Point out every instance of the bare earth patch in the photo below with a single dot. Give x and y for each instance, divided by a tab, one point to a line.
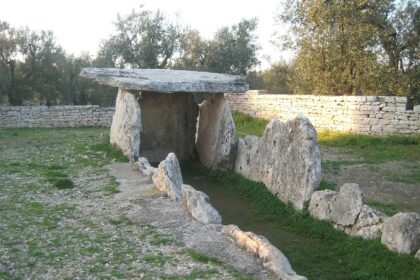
387	182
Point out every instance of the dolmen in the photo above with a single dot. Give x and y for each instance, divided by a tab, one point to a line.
159	111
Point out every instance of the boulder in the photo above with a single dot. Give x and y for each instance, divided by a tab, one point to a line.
320	204
165	80
401	233
286	159
168	178
144	167
215	143
369	223
197	203
271	257
126	125
346	206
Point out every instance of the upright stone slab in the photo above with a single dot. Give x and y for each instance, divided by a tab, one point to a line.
216	133
126	124
286	159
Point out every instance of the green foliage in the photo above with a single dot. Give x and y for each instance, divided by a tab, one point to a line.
354	47
247	125
276	79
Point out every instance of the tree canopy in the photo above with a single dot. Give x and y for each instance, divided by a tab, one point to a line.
354	47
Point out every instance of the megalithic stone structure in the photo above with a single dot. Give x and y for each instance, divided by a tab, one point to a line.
167	117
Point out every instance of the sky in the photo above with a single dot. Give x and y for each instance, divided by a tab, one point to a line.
80	25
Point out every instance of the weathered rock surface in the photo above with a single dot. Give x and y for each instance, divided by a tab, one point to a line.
320	204
168	178
164	80
271	257
126	124
286	159
369	223
144	167
215	143
346	206
197	203
401	233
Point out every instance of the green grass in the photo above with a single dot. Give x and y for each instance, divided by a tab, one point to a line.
388	208
329	254
376	149
202	258
247	125
110	150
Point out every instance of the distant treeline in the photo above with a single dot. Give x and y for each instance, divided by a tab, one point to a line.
341	48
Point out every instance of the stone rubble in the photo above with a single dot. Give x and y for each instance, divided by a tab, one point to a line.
271	257
286	159
126	125
346	211
197	203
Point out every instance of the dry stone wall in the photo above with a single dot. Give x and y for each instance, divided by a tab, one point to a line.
380	115
55	116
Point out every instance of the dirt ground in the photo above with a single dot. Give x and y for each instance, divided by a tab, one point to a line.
377	180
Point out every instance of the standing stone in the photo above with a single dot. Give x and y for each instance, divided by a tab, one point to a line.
286	159
346	206
168	178
126	125
320	204
401	233
215	143
369	223
197	203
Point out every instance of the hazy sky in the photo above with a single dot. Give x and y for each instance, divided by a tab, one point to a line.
80	25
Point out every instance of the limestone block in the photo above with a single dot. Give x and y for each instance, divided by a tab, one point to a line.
286	159
215	143
165	80
401	233
197	203
320	204
369	223
168	178
126	124
346	206
270	256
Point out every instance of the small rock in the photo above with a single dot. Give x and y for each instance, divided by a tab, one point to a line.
346	206
144	167
369	223
271	257
198	205
320	204
168	178
417	256
401	233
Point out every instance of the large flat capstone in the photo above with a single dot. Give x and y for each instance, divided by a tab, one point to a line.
165	80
